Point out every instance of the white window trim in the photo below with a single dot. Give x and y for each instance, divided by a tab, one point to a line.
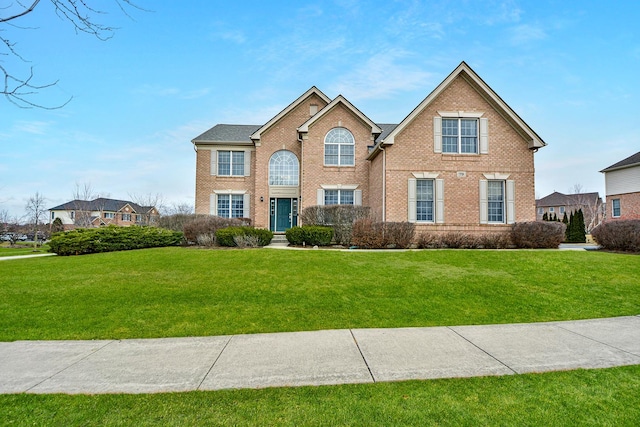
438	198
246	201
339	144
509	202
357	194
483	130
613	215
214	161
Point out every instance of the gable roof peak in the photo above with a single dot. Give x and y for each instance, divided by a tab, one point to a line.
375	129
312	91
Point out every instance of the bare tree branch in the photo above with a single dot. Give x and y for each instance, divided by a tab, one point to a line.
21	90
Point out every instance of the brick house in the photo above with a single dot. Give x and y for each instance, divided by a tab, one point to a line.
558	204
462	160
622	188
102	211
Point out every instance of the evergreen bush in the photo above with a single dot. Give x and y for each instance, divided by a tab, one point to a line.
227	236
112	238
310	235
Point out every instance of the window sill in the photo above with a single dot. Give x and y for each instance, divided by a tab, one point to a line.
461	157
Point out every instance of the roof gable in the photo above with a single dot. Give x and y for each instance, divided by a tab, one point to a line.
633	160
375	129
232	134
463	70
312	91
101	204
560	199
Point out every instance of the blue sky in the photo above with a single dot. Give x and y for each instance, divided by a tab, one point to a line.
569	69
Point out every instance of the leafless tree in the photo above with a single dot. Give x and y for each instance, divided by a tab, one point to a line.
20	89
591	205
82	195
152	204
36	213
178	209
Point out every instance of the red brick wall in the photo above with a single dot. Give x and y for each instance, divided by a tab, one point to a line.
629	206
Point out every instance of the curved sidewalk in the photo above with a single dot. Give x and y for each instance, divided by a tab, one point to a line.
315	358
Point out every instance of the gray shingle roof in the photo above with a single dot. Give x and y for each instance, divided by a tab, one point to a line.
100	204
228	133
386	130
559	199
629	161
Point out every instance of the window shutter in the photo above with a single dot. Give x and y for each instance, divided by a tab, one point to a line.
214	162
247	165
320	197
511	202
484	136
213	204
412	214
484	203
246	205
357	197
439	201
437	134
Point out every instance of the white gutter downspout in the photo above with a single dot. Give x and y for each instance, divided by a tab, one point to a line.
300	180
384	183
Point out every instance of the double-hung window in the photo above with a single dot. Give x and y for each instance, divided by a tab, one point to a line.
230	205
338	197
126	217
495	201
339	148
424	200
459	136
615	208
230	163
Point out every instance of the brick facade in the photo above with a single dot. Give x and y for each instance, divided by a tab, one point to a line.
629	206
383	167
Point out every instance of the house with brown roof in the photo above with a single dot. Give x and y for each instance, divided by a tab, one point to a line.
102	211
460	161
557	204
622	188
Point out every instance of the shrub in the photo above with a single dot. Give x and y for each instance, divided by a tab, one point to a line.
112	238
340	217
207	225
456	240
379	235
206	239
619	235
247	241
227	236
295	235
310	234
537	234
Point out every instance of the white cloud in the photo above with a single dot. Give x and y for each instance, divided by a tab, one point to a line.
526	33
175	92
382	76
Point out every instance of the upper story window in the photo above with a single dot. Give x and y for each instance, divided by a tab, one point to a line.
231	163
460	136
339	148
284	168
109	215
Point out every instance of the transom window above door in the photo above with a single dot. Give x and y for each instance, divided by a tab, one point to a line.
284	168
339	148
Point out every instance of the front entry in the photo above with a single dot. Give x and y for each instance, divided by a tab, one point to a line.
284	214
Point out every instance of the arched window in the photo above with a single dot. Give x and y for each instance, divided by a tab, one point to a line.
284	168
339	148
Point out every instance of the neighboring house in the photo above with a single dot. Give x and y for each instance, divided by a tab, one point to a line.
558	204
622	187
101	211
462	160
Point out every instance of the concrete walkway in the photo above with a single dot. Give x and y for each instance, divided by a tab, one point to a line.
315	358
12	257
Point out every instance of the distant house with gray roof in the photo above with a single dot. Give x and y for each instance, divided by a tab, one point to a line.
101	212
622	188
558	204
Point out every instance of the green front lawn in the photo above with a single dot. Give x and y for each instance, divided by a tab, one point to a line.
171	292
608	397
22	248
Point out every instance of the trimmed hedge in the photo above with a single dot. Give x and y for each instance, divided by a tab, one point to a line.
202	229
310	235
368	234
112	238
227	236
618	235
538	234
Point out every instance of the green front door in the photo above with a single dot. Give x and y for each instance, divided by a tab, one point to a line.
282	215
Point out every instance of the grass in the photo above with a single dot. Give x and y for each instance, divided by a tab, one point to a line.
189	292
595	397
22	248
180	292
